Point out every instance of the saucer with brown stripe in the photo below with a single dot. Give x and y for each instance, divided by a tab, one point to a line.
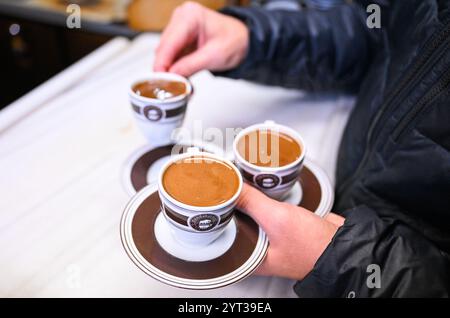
229	259
142	167
234	256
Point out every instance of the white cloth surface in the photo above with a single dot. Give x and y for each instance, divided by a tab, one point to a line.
60	169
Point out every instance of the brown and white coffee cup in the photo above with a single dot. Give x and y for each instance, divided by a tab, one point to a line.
276	182
197	225
158	118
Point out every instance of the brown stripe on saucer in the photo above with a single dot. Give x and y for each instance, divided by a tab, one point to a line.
142	230
312	192
143	164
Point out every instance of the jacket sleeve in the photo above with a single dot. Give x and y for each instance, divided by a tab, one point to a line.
308	49
373	256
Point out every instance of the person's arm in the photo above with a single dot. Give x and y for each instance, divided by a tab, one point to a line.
363	255
409	265
308	49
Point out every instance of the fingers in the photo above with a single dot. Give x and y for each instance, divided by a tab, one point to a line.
264	210
181	32
216	42
201	59
294	233
335	219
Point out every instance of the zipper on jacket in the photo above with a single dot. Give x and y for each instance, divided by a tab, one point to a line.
424	62
436	91
408	86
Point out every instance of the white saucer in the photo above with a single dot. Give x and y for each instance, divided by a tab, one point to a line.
155	168
165	238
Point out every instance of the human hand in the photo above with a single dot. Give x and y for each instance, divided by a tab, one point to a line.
198	38
297	236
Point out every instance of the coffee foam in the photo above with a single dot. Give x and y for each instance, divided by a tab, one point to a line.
268	148
160	89
200	181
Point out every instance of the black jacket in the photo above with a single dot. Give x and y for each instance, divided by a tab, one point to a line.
393	176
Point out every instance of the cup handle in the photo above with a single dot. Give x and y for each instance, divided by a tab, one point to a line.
192	89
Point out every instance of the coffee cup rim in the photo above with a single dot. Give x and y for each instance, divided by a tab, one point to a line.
210	208
270	125
163	76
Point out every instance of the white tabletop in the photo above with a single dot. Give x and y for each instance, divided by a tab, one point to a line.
60	177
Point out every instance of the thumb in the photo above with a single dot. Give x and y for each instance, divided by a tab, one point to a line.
267	212
200	59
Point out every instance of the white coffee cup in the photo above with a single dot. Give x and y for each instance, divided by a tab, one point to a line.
194	225
275	182
158	118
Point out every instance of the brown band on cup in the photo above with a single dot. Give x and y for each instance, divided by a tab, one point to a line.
175	111
184	220
284	180
174	216
155	113
290	177
247	176
136	108
226	217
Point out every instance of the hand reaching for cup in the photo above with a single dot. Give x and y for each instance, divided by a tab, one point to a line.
198	38
297	236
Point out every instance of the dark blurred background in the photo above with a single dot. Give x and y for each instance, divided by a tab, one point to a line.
35	42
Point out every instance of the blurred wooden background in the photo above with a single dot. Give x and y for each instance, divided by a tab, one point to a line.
153	15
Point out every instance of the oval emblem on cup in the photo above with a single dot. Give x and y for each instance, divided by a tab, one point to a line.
204	222
153	113
267	181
